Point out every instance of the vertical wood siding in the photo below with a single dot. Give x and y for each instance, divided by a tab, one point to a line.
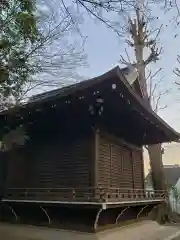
104	163
69	164
18	168
127	169
138	169
55	164
116	165
119	166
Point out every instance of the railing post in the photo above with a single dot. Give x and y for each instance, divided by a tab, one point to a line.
119	194
103	195
73	194
135	193
25	193
132	193
129	194
97	194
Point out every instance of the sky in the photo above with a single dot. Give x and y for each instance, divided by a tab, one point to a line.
104	48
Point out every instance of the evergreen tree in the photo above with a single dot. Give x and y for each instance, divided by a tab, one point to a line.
19	32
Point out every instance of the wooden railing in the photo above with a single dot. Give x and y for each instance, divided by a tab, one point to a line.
83	194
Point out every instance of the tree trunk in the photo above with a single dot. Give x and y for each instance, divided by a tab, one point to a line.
139	35
155	156
155	153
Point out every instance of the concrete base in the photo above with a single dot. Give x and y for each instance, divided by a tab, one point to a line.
146	230
71	217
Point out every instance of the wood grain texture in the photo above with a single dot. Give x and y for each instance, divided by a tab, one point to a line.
52	164
119	166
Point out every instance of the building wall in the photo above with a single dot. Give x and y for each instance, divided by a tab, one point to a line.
3	173
70	163
174	197
52	164
119	166
18	166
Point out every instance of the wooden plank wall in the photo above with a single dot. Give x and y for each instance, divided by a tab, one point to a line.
138	169
119	166
69	164
104	163
55	164
17	168
3	172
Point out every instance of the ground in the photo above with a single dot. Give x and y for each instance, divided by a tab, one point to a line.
146	230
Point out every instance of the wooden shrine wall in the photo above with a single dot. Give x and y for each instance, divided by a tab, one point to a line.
119	166
52	164
18	168
70	163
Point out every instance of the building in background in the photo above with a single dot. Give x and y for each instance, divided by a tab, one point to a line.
172	175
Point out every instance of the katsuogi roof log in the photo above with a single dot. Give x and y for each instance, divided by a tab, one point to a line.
124	113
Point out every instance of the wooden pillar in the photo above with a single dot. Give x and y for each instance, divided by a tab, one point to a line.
95	160
142	163
96	155
132	166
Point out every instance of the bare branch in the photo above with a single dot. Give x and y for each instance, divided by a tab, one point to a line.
177	70
157	106
154	74
71	17
154	55
101	19
124	61
153	87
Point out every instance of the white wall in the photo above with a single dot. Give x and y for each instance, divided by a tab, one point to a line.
175	203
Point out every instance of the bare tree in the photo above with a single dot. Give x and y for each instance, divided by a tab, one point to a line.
143	40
